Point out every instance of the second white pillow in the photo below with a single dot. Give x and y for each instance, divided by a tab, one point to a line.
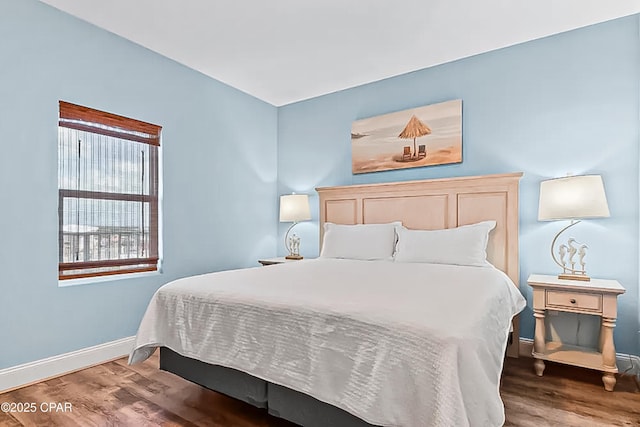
465	245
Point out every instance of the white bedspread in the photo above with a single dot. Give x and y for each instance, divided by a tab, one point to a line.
396	344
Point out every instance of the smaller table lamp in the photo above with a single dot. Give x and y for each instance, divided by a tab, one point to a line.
294	208
573	198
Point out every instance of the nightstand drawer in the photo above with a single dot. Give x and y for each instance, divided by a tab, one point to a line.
578	301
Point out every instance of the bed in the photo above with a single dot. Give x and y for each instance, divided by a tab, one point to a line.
390	351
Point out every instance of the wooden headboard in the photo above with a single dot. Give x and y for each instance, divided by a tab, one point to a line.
436	204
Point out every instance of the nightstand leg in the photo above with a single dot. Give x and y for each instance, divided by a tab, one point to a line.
601	339
539	346
609	381
608	351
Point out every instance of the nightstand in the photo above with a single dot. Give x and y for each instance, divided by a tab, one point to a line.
597	297
278	260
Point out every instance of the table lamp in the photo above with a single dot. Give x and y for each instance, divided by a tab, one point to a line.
294	208
573	198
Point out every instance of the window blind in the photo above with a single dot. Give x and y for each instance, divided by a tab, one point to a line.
107	193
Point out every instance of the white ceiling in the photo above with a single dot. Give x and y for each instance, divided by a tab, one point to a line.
283	51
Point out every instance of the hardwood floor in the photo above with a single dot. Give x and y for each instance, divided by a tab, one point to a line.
115	394
566	396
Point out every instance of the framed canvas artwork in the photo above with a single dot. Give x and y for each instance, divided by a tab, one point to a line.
423	136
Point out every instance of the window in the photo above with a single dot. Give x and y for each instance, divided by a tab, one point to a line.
107	193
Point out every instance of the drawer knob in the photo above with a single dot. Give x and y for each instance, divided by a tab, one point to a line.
572	301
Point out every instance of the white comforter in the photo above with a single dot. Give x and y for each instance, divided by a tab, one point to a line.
395	344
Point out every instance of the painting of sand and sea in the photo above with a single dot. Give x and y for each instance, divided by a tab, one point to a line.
423	136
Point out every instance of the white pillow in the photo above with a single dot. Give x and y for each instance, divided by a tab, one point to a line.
466	245
360	241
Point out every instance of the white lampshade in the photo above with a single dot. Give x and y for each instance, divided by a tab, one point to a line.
294	208
572	197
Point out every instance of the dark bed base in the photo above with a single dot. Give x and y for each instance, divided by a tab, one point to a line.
279	401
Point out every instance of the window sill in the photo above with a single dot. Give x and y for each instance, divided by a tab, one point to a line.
109	278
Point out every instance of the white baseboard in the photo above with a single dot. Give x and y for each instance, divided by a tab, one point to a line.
40	370
628	364
525	347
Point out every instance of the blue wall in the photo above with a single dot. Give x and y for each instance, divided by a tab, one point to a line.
216	168
567	103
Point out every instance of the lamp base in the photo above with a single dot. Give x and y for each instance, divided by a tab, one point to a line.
293	257
581	277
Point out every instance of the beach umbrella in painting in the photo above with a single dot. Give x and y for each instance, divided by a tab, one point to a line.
414	129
